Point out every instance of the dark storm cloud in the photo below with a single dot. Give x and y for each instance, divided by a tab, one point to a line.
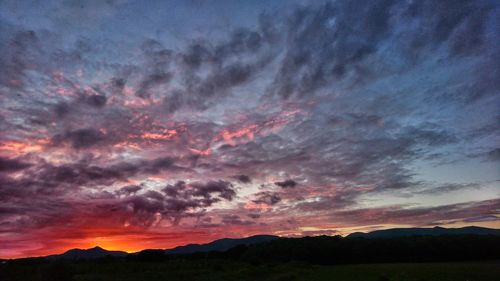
42	178
155	166
223	188
81	104
374	154
328	43
232	62
41	213
356	120
347	36
200	93
286	183
345	33
12	165
61	109
338	201
129	204
150	82
253	216
96	100
243	178
195	55
451	22
449	187
420	216
178	199
26	52
240	42
129	189
349	148
266	197
157	56
235	220
155	195
46	179
483	218
19	52
81	138
429	134
494	154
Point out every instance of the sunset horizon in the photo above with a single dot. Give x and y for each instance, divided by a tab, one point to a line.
111	246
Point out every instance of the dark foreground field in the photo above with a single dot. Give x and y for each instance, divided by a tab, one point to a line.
219	270
415	258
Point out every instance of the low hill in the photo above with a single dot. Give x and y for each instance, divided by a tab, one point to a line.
220	245
402	232
395	245
86	254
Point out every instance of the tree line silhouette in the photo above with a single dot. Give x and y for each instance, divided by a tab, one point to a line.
340	250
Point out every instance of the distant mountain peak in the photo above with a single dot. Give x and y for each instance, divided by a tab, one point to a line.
429	231
221	245
91	253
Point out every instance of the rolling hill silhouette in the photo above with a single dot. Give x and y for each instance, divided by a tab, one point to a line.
402	232
225	244
85	254
220	245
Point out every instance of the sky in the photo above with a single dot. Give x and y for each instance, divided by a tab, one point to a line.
152	124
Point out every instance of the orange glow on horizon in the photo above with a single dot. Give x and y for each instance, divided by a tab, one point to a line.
136	239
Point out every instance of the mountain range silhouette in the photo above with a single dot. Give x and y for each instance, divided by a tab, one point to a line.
225	244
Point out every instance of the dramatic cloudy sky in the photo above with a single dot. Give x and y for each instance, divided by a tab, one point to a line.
133	125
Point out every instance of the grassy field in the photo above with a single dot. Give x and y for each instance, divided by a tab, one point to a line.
409	272
224	270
